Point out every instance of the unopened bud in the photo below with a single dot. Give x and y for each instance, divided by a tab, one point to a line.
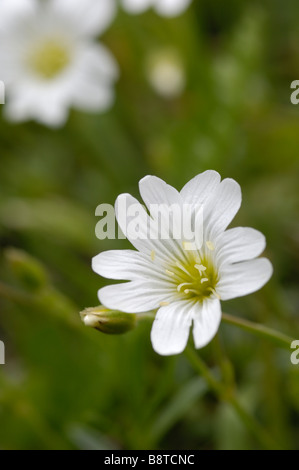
28	270
108	321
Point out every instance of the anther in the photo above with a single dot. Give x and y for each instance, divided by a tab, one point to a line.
189	246
200	268
210	245
169	272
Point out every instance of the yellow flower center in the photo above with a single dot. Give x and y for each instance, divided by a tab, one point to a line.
50	58
195	279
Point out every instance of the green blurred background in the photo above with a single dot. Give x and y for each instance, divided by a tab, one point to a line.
67	387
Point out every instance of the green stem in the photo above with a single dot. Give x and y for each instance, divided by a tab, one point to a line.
259	330
227	395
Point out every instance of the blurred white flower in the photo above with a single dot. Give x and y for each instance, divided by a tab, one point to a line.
166	73
184	285
50	60
163	7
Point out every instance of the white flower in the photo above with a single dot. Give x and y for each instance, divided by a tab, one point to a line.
163	7
166	73
185	286
50	61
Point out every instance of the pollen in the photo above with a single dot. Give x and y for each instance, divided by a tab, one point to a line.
189	246
170	273
200	268
153	255
210	245
163	304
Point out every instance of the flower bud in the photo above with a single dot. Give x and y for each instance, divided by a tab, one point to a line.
107	321
28	270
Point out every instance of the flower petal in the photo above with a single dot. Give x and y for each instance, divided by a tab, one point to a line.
198	190
93	77
136	6
172	7
127	265
244	278
170	330
239	244
136	296
206	321
90	17
165	206
222	208
36	101
154	190
14	11
137	226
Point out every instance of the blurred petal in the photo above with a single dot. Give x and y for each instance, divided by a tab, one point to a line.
136	6
171	7
12	11
93	79
34	102
89	17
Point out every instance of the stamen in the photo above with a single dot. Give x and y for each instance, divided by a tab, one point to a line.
169	272
186	291
182	268
183	284
153	255
200	268
210	245
204	279
214	292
